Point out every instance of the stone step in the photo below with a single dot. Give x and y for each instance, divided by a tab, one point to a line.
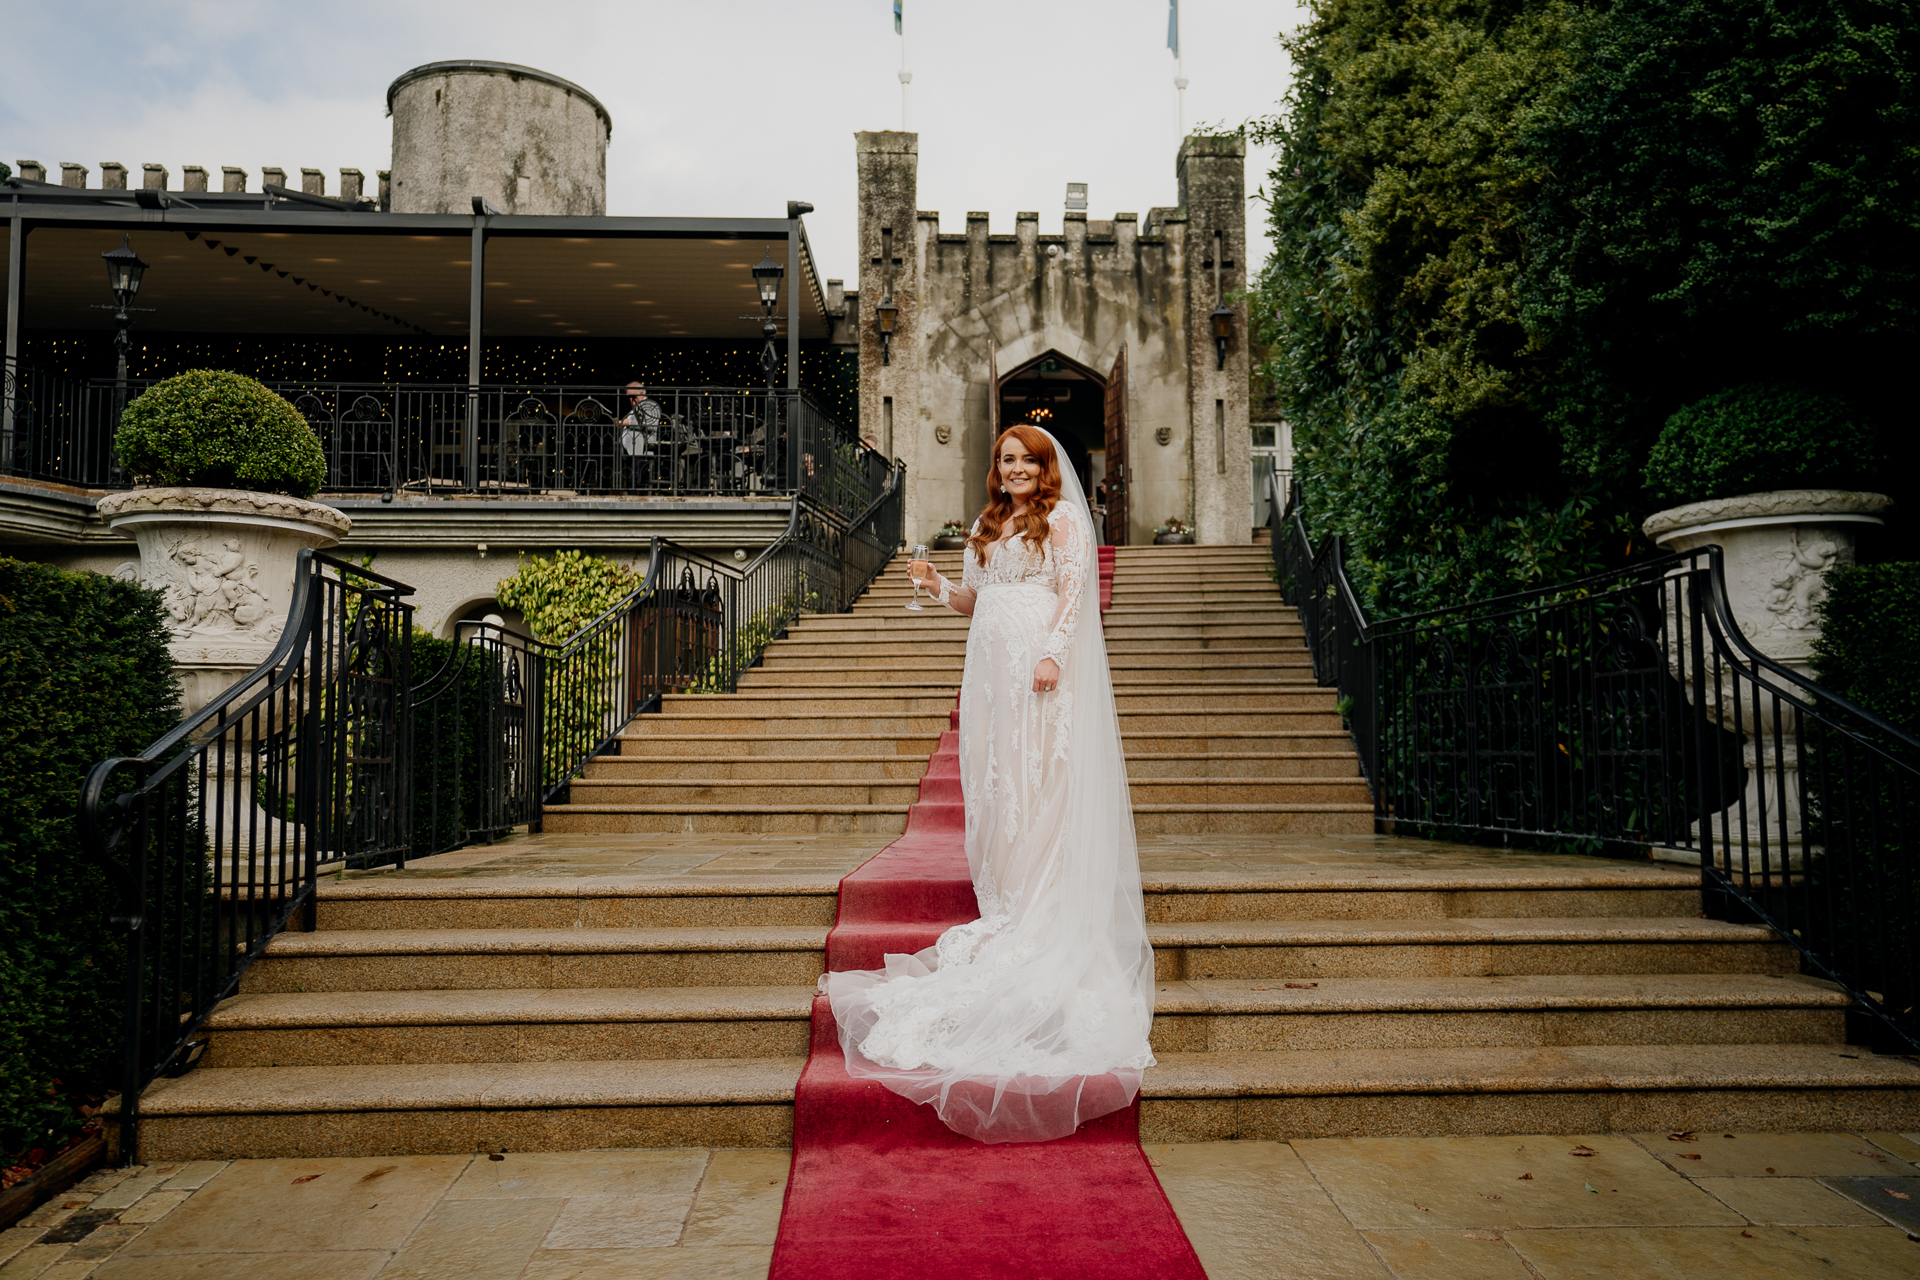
847	657
401	1109
880	699
766	768
1156	722
568	902
880	624
301	1029
1307	819
917	745
1272	623
1539	1011
1333	893
659	794
1210	1097
1485	946
1144	630
720	819
1153	766
1188	676
469	959
1209	699
1188	740
898	674
1228	794
819	724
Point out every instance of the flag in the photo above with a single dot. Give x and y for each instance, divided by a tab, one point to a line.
1173	23
896	16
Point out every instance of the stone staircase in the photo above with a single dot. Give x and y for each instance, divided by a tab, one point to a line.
1315	979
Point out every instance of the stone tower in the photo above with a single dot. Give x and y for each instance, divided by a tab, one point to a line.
528	141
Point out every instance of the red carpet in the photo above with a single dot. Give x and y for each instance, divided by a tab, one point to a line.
881	1190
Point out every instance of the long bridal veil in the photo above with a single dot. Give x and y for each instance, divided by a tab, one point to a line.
1024	1024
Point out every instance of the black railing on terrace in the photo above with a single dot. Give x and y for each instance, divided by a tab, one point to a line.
1628	710
492	440
351	747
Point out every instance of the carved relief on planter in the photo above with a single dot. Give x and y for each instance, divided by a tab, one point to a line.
223	562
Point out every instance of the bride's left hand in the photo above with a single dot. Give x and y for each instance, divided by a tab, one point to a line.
1046	676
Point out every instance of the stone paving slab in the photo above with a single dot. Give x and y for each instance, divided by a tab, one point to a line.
1552	1207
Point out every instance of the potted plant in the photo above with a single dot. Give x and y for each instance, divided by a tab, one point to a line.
1174	533
951	536
225	468
1782	479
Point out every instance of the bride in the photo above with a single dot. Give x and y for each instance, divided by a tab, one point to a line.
1033	1019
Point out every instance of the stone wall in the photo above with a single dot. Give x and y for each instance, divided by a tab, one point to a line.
974	302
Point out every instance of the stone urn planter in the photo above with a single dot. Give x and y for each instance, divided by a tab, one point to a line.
224	561
955	542
1173	539
1777	548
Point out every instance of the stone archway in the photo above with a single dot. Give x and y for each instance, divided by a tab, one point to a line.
1066	397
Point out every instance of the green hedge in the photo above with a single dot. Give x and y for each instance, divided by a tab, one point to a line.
456	740
221	430
1869	646
1755	438
88	676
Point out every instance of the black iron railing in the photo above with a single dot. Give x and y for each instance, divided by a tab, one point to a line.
1628	711
696	624
493	440
216	834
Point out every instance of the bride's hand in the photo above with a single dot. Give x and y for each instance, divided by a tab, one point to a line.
1046	676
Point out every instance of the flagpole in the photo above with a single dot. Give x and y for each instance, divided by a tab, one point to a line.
1179	63
906	76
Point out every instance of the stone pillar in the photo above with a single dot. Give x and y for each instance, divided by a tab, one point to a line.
891	259
193	177
1212	172
31	170
272	177
153	177
313	182
232	179
352	181
73	175
113	176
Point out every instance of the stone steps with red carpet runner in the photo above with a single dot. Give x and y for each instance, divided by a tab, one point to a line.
882	1190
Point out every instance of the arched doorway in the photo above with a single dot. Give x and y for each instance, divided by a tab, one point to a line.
1068	399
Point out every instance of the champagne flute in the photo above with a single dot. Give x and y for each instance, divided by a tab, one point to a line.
918	552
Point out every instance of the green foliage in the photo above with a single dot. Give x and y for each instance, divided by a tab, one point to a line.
223	431
1512	238
1756	438
561	593
88	677
457	746
1869	646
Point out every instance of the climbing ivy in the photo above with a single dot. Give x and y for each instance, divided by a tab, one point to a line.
563	592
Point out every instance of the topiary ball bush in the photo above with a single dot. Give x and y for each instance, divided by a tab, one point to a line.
1757	438
221	431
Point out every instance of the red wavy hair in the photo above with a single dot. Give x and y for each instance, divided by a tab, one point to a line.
1033	525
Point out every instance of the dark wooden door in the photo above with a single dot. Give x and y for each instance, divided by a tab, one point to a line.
1117	472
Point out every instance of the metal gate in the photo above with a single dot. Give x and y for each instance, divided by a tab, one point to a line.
1116	406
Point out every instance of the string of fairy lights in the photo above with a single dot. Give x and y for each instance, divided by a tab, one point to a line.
830	375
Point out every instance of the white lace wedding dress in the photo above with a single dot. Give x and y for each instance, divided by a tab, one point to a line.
1033	1019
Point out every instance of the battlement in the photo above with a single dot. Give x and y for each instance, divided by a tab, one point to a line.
193	179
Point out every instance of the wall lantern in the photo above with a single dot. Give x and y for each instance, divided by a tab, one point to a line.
766	278
124	270
888	315
1222	318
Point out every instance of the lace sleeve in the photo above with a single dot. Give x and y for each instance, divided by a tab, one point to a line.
1070	556
970	570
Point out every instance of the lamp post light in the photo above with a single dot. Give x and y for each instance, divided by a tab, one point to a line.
1222	318
124	270
888	316
767	275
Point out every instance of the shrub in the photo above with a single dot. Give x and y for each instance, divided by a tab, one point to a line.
88	677
1755	438
458	741
1869	646
561	593
221	430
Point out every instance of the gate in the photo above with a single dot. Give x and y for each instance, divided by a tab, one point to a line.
1116	407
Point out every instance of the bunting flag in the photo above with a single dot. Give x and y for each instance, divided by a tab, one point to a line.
1173	24
897	16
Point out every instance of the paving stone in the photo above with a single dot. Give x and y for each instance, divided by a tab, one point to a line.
1254	1212
1449	1255
1895	1199
1469	1183
563	1174
620	1222
483	1239
303	1205
1694	1253
194	1175
1782	1155
154	1207
32	1262
127	1193
685	1262
333	1264
739	1199
1787	1202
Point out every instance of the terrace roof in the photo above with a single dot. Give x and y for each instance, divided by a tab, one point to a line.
298	265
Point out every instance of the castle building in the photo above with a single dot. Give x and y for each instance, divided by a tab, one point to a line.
1126	339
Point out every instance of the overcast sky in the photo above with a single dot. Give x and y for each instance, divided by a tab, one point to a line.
721	107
